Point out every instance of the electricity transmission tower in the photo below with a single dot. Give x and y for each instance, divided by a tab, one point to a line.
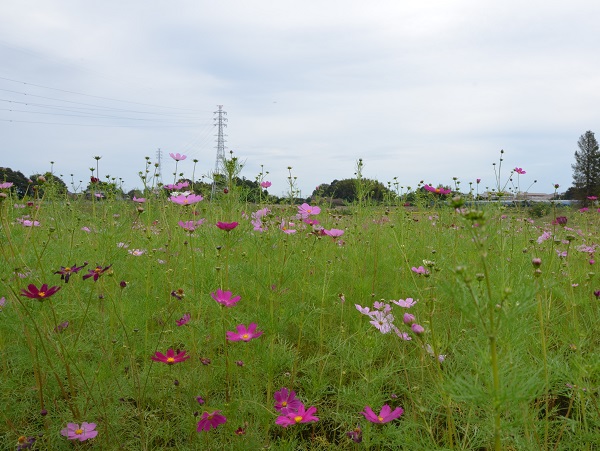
220	122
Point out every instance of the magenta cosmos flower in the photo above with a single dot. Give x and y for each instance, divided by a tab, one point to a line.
437	190
140	200
211	420
66	271
386	415
96	272
286	401
227	226
225	298
243	333
75	432
302	415
177	156
171	358
190	199
265	184
41	294
6	185
184	320
520	171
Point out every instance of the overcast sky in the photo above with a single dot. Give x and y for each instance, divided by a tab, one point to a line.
426	90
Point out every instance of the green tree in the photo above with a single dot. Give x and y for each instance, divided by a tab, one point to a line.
586	170
21	184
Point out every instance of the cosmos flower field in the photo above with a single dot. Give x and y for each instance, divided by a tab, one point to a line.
175	322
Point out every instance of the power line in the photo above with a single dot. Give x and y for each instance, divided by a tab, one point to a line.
94	96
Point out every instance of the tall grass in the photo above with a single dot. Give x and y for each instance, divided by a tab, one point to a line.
508	357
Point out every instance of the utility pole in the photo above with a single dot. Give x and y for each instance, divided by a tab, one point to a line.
220	122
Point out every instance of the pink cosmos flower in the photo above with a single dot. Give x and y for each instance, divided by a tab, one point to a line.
141	200
177	186
182	199
177	156
583	210
592	197
285	228
385	415
265	184
227	226
170	358
30	223
305	210
210	421
405	303
363	310
190	226
136	252
408	318
286	401
183	320
417	328
437	190
520	171
243	333
402	335
86	229
225	298
543	237
478	180
333	232
382	321
2	302
302	415
6	185
419	270
74	432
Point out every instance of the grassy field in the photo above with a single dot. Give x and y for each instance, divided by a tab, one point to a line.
480	324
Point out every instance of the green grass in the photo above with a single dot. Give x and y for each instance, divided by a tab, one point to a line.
522	360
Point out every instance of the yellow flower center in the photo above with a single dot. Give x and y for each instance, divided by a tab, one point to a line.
41	294
284	404
67	269
245	336
380	419
22	439
79	431
170	360
437	190
298	419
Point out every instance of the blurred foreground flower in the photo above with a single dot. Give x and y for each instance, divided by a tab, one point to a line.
74	432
